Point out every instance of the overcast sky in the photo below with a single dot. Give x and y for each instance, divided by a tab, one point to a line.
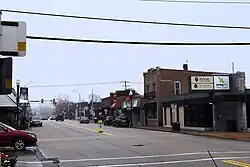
49	63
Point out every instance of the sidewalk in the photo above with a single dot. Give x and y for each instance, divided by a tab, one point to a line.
29	155
242	136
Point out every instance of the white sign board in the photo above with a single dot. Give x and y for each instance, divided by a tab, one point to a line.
202	86
13	41
221	83
202	83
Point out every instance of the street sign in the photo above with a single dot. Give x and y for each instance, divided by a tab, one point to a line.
13	41
6	75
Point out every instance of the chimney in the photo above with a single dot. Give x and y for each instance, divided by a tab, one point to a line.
185	67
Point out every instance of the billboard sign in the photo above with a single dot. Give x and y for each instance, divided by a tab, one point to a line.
202	83
221	83
210	83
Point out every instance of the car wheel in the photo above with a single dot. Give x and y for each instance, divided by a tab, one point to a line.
19	145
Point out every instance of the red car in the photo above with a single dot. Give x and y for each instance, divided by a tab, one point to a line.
18	139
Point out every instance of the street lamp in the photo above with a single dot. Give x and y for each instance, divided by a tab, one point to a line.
131	100
78	94
78	107
30	82
17	101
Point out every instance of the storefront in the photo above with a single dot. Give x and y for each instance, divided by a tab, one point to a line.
134	112
204	111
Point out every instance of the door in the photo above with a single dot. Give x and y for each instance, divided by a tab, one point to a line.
4	137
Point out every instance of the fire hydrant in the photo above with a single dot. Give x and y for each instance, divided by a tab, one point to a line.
100	130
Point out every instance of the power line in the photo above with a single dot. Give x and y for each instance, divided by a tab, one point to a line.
125	84
141	42
201	2
74	85
127	21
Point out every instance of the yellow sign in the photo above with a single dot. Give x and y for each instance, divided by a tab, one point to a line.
8	83
21	46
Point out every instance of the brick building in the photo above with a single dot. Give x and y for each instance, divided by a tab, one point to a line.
160	84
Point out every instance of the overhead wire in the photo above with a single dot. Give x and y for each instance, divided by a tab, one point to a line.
127	20
201	2
75	85
140	42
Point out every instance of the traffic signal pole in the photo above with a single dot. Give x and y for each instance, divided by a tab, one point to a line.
1	33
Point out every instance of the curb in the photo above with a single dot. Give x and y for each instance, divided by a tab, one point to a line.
49	162
194	134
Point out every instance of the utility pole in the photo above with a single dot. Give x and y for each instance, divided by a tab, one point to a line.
125	84
92	103
233	67
1	33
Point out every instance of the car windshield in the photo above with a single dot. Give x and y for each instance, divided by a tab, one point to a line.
36	118
7	126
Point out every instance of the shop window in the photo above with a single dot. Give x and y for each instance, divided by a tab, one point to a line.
154	87
177	88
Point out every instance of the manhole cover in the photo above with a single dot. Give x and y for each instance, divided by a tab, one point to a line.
138	145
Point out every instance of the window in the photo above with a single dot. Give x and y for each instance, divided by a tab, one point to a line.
154	88
147	88
177	88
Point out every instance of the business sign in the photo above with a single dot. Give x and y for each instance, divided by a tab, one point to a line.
206	83
221	83
202	83
24	93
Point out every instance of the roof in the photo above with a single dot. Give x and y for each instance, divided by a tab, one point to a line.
8	100
191	71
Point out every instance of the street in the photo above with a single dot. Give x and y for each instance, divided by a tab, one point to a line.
78	145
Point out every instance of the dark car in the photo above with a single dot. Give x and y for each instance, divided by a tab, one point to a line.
121	121
109	120
36	121
84	120
59	117
18	139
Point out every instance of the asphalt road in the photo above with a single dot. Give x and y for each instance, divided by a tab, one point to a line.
78	145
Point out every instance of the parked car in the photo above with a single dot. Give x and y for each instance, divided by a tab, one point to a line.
52	117
108	120
121	121
60	117
36	121
84	120
18	139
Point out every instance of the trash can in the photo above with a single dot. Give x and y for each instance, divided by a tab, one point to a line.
176	126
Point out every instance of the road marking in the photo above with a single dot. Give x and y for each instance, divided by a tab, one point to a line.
89	129
236	163
148	163
154	156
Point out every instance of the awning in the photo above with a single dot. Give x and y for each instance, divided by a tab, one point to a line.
7	101
113	105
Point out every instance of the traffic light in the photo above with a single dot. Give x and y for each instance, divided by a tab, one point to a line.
54	101
41	100
6	75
